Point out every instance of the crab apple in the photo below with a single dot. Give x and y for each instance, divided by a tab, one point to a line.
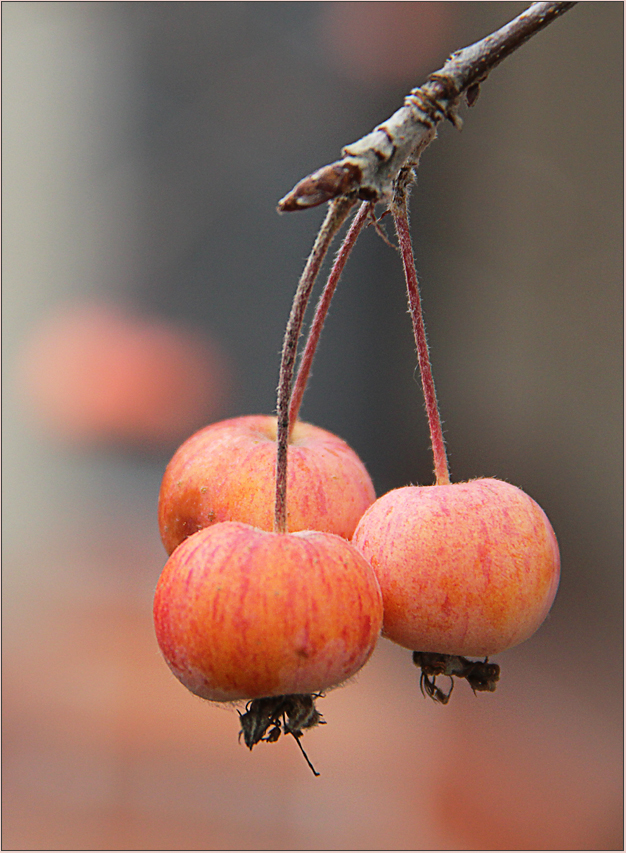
464	568
226	472
243	613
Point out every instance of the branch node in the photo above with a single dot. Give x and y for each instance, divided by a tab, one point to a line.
369	167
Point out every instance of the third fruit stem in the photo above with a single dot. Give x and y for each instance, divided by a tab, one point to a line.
401	219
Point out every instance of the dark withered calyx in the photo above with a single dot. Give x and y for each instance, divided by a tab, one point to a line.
289	714
480	674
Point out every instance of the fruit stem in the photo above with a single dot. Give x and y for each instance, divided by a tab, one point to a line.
401	220
321	311
337	212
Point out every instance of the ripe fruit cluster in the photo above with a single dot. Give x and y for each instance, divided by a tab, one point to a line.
284	569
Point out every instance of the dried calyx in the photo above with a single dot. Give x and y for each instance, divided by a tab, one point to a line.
287	714
481	675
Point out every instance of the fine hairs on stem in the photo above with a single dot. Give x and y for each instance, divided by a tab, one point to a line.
401	220
376	168
379	168
321	311
336	215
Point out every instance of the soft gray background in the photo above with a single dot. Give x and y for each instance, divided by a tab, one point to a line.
145	148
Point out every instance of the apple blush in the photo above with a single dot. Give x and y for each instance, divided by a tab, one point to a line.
226	472
244	613
464	568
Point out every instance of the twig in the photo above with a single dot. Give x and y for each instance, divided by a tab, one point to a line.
370	166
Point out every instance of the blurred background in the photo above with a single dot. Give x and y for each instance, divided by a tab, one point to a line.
147	282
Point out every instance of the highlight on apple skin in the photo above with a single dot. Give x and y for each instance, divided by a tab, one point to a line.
243	613
464	569
226	472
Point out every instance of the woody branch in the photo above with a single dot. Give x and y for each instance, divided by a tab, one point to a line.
370	166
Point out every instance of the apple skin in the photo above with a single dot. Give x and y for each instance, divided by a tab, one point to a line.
243	613
226	472
465	569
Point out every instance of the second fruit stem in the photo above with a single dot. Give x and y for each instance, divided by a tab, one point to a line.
337	212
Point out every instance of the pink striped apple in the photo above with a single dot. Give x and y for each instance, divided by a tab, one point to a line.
464	568
244	613
226	472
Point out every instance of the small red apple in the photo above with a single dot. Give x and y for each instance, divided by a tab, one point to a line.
464	568
226	472
243	613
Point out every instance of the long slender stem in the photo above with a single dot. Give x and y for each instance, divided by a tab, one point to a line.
400	215
321	311
337	212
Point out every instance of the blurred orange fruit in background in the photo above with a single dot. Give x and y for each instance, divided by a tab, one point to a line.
97	373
